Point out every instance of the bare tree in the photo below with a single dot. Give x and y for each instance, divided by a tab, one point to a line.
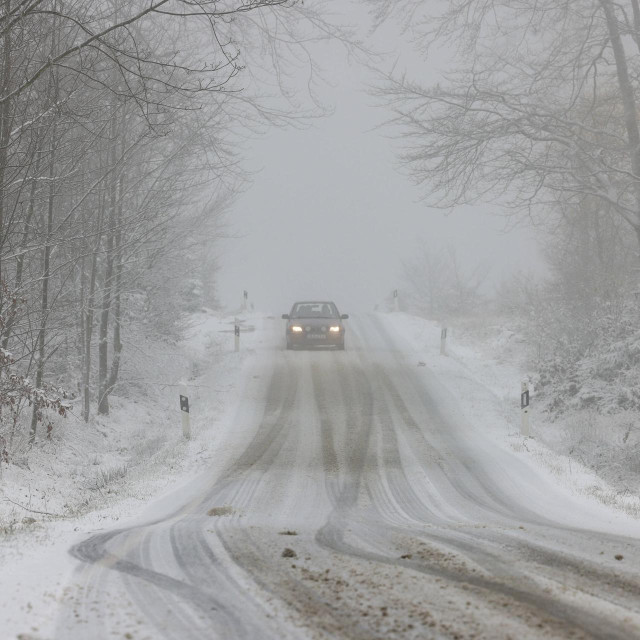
440	287
542	105
119	128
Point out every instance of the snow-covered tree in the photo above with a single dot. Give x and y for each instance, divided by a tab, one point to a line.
538	106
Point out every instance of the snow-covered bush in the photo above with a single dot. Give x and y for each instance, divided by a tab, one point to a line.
597	364
20	399
582	321
19	396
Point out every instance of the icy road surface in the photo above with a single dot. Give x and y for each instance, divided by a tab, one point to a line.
352	500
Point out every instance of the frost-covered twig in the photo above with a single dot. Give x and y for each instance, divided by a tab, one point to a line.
44	513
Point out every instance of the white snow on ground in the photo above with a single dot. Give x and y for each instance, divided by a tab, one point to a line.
92	476
145	443
483	381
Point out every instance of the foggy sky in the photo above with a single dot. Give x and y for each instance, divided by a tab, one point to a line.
329	216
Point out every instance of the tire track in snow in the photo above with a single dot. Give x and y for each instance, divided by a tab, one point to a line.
581	618
176	593
390	473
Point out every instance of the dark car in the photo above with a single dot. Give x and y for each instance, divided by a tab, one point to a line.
315	324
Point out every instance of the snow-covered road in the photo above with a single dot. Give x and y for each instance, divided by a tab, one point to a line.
353	500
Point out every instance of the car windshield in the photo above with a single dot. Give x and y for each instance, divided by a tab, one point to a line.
314	310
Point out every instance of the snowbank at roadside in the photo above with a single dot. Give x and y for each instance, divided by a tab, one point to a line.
90	476
484	371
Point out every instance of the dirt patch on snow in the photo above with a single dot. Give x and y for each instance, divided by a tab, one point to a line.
221	511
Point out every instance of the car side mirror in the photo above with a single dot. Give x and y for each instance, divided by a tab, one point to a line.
344	316
285	316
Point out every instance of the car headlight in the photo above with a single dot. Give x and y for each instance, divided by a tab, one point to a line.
334	329
296	329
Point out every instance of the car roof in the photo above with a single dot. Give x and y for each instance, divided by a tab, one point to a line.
313	302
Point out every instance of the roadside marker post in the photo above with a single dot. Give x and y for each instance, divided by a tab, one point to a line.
524	407
186	421
443	341
236	332
4	455
396	300
245	295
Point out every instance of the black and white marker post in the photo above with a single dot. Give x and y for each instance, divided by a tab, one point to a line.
396	300
186	423
245	295
236	332
443	341
524	407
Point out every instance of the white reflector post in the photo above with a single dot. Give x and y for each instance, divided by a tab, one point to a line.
186	420
524	407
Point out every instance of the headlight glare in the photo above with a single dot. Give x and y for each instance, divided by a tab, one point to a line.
334	329
296	329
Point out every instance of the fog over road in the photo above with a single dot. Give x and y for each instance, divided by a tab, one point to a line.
407	523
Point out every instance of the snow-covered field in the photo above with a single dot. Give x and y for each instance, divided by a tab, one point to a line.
346	462
91	476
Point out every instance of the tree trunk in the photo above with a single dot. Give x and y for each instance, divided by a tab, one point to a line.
83	302
103	344
628	101
636	22
5	125
21	254
117	343
117	311
88	319
44	303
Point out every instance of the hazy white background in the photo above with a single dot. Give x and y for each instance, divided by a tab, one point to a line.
328	214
